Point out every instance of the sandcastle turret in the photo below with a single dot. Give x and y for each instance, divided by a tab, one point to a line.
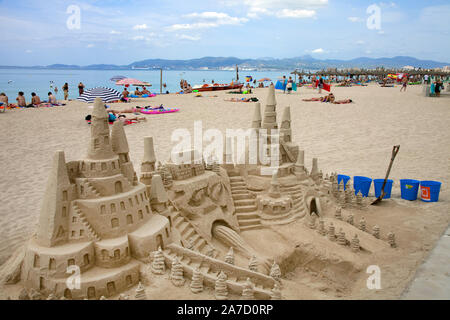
275	293
274	191
248	293
341	198
275	272
354	244
362	224
253	264
321	228
140	293
376	232
350	219
285	127
299	169
341	238
158	194
221	287
331	232
359	199
257	118
158	264
391	240
53	220
229	258
197	281
338	213
148	166
270	113
120	147
315	170
312	222
100	145
334	188
176	274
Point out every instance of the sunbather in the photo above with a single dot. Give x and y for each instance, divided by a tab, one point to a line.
4	99
346	101
328	98
21	100
242	100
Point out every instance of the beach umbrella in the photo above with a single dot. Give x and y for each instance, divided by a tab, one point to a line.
117	78
133	82
264	80
106	94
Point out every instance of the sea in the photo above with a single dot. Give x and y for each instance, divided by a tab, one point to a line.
42	81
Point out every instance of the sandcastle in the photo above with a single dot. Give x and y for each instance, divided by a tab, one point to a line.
99	217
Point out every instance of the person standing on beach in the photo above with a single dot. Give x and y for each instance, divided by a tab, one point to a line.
290	85
66	91
404	83
81	88
56	91
21	100
320	84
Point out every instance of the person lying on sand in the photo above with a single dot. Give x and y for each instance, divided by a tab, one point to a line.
126	120
4	99
328	98
242	100
346	101
137	110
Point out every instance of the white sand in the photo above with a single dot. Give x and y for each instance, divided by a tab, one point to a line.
353	139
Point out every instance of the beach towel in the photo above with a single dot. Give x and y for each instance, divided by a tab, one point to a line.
280	85
326	87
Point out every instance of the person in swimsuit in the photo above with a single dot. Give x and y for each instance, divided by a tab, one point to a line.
35	101
21	100
52	99
328	98
66	91
81	88
343	101
404	83
4	99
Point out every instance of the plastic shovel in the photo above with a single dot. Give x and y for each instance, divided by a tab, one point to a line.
394	154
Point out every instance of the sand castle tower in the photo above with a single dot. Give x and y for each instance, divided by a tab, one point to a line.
275	293
299	169
341	238
275	272
158	195
176	274
248	293
338	213
221	287
362	224
148	166
312	222
94	215
376	232
257	119
354	244
391	240
331	232
321	230
315	171
253	264
350	219
158	264
197	281
140	293
229	258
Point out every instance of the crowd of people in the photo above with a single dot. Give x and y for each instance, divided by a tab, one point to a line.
34	103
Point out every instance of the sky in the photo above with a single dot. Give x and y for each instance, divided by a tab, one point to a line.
36	32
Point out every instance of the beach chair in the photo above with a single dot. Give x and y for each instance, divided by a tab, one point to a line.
2	107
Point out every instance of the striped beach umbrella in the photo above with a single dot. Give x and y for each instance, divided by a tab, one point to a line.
132	82
106	94
117	78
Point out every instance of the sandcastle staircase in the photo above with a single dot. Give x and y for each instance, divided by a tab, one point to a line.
210	268
295	191
245	204
188	233
82	218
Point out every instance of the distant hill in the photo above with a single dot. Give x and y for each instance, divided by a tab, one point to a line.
217	63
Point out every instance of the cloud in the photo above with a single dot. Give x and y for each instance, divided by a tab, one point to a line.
285	13
319	50
138	38
140	27
205	20
115	32
360	42
354	19
188	37
90	45
28	51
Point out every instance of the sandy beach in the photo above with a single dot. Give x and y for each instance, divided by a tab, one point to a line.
353	139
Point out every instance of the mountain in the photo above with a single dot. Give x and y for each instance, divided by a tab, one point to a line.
306	62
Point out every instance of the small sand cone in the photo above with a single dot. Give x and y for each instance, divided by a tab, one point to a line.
348	194
376	232
341	238
312	222
359	200
355	244
158	264
23	295
221	287
51	296
140	293
103	298
362	224
248	293
124	297
275	294
176	274
229	258
341	186
342	197
350	219
321	229
253	264
391	240
275	272
334	189
331	232
197	281
338	213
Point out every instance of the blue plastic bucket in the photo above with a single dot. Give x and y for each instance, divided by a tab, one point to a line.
409	188
341	177
362	184
378	183
429	191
